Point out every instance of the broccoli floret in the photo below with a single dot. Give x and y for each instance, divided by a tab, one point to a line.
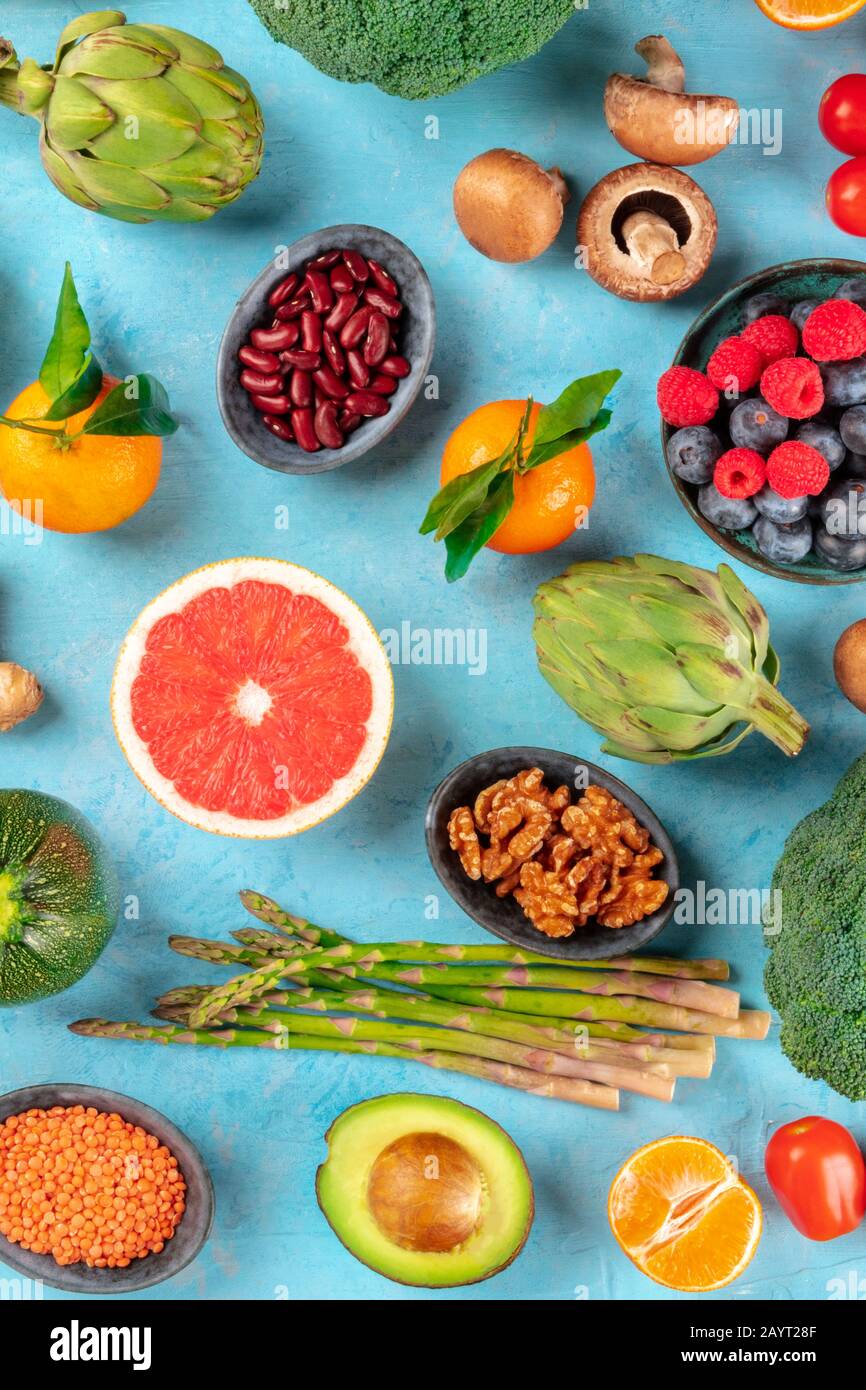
413	48
816	974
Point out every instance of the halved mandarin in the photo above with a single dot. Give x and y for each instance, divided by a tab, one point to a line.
683	1215
810	14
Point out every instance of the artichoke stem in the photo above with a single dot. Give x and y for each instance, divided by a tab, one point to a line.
9	94
776	718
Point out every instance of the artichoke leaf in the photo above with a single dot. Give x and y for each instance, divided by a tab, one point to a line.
677	731
717	677
690	618
606	716
147	36
61	175
111	60
191	50
212	99
83	26
75	115
115	184
753	614
648	674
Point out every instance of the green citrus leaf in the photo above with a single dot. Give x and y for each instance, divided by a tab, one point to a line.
81	394
454	502
67	357
543	453
464	543
136	406
574	409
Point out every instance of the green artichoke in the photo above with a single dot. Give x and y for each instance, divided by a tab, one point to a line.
664	659
140	122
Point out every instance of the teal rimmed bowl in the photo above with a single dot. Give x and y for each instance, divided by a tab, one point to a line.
794	280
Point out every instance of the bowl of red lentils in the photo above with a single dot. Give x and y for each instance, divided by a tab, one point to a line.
99	1193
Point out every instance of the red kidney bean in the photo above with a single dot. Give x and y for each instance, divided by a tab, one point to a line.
355	328
359	372
293	308
259	361
273	339
326	427
348	421
305	434
327	258
301	389
385	303
383	385
333	352
342	279
394	365
378	339
284	290
279	426
294	330
382	278
272	405
358	268
341	312
299	357
366	403
321	293
311	330
260	384
328	382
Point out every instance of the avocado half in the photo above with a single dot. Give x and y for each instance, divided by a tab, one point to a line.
425	1190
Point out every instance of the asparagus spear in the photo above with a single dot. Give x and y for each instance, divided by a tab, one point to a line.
711	999
555	1087
223	953
269	911
647	1082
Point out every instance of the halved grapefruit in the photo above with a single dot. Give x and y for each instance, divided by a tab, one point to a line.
253	698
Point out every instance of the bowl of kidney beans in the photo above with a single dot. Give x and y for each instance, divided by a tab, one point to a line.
326	350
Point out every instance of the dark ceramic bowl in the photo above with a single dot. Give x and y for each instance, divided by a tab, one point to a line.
187	1240
503	916
795	280
418	335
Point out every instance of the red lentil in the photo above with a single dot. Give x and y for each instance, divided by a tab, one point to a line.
86	1186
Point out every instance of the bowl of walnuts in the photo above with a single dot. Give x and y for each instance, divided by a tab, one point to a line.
552	853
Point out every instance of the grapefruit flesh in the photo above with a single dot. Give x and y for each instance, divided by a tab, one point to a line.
253	698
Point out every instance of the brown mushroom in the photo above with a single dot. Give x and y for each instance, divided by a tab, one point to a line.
507	206
647	232
656	119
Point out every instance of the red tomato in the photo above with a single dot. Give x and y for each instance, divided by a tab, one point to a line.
842	113
846	196
818	1175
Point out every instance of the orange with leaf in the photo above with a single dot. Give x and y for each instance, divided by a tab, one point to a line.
516	476
81	451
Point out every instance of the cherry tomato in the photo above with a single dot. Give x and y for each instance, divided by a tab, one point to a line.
818	1176
846	196
842	113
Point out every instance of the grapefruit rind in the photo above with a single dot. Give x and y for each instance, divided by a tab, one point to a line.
363	642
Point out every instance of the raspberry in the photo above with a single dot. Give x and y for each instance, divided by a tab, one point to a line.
797	470
774	336
685	397
740	473
793	387
835	331
735	366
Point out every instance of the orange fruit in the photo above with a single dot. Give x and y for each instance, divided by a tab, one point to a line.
683	1215
549	502
810	14
98	482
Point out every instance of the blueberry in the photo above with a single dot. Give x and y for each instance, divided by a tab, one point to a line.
840	553
825	439
844	509
692	453
852	428
854	289
755	425
855	465
784	511
783	544
844	382
728	513
761	304
801	311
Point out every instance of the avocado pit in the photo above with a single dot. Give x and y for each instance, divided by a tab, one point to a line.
426	1192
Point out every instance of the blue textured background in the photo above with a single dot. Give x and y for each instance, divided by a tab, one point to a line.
158	298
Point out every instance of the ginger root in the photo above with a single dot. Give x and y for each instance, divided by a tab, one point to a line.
20	695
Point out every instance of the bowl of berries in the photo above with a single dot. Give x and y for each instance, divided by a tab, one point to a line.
764	421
